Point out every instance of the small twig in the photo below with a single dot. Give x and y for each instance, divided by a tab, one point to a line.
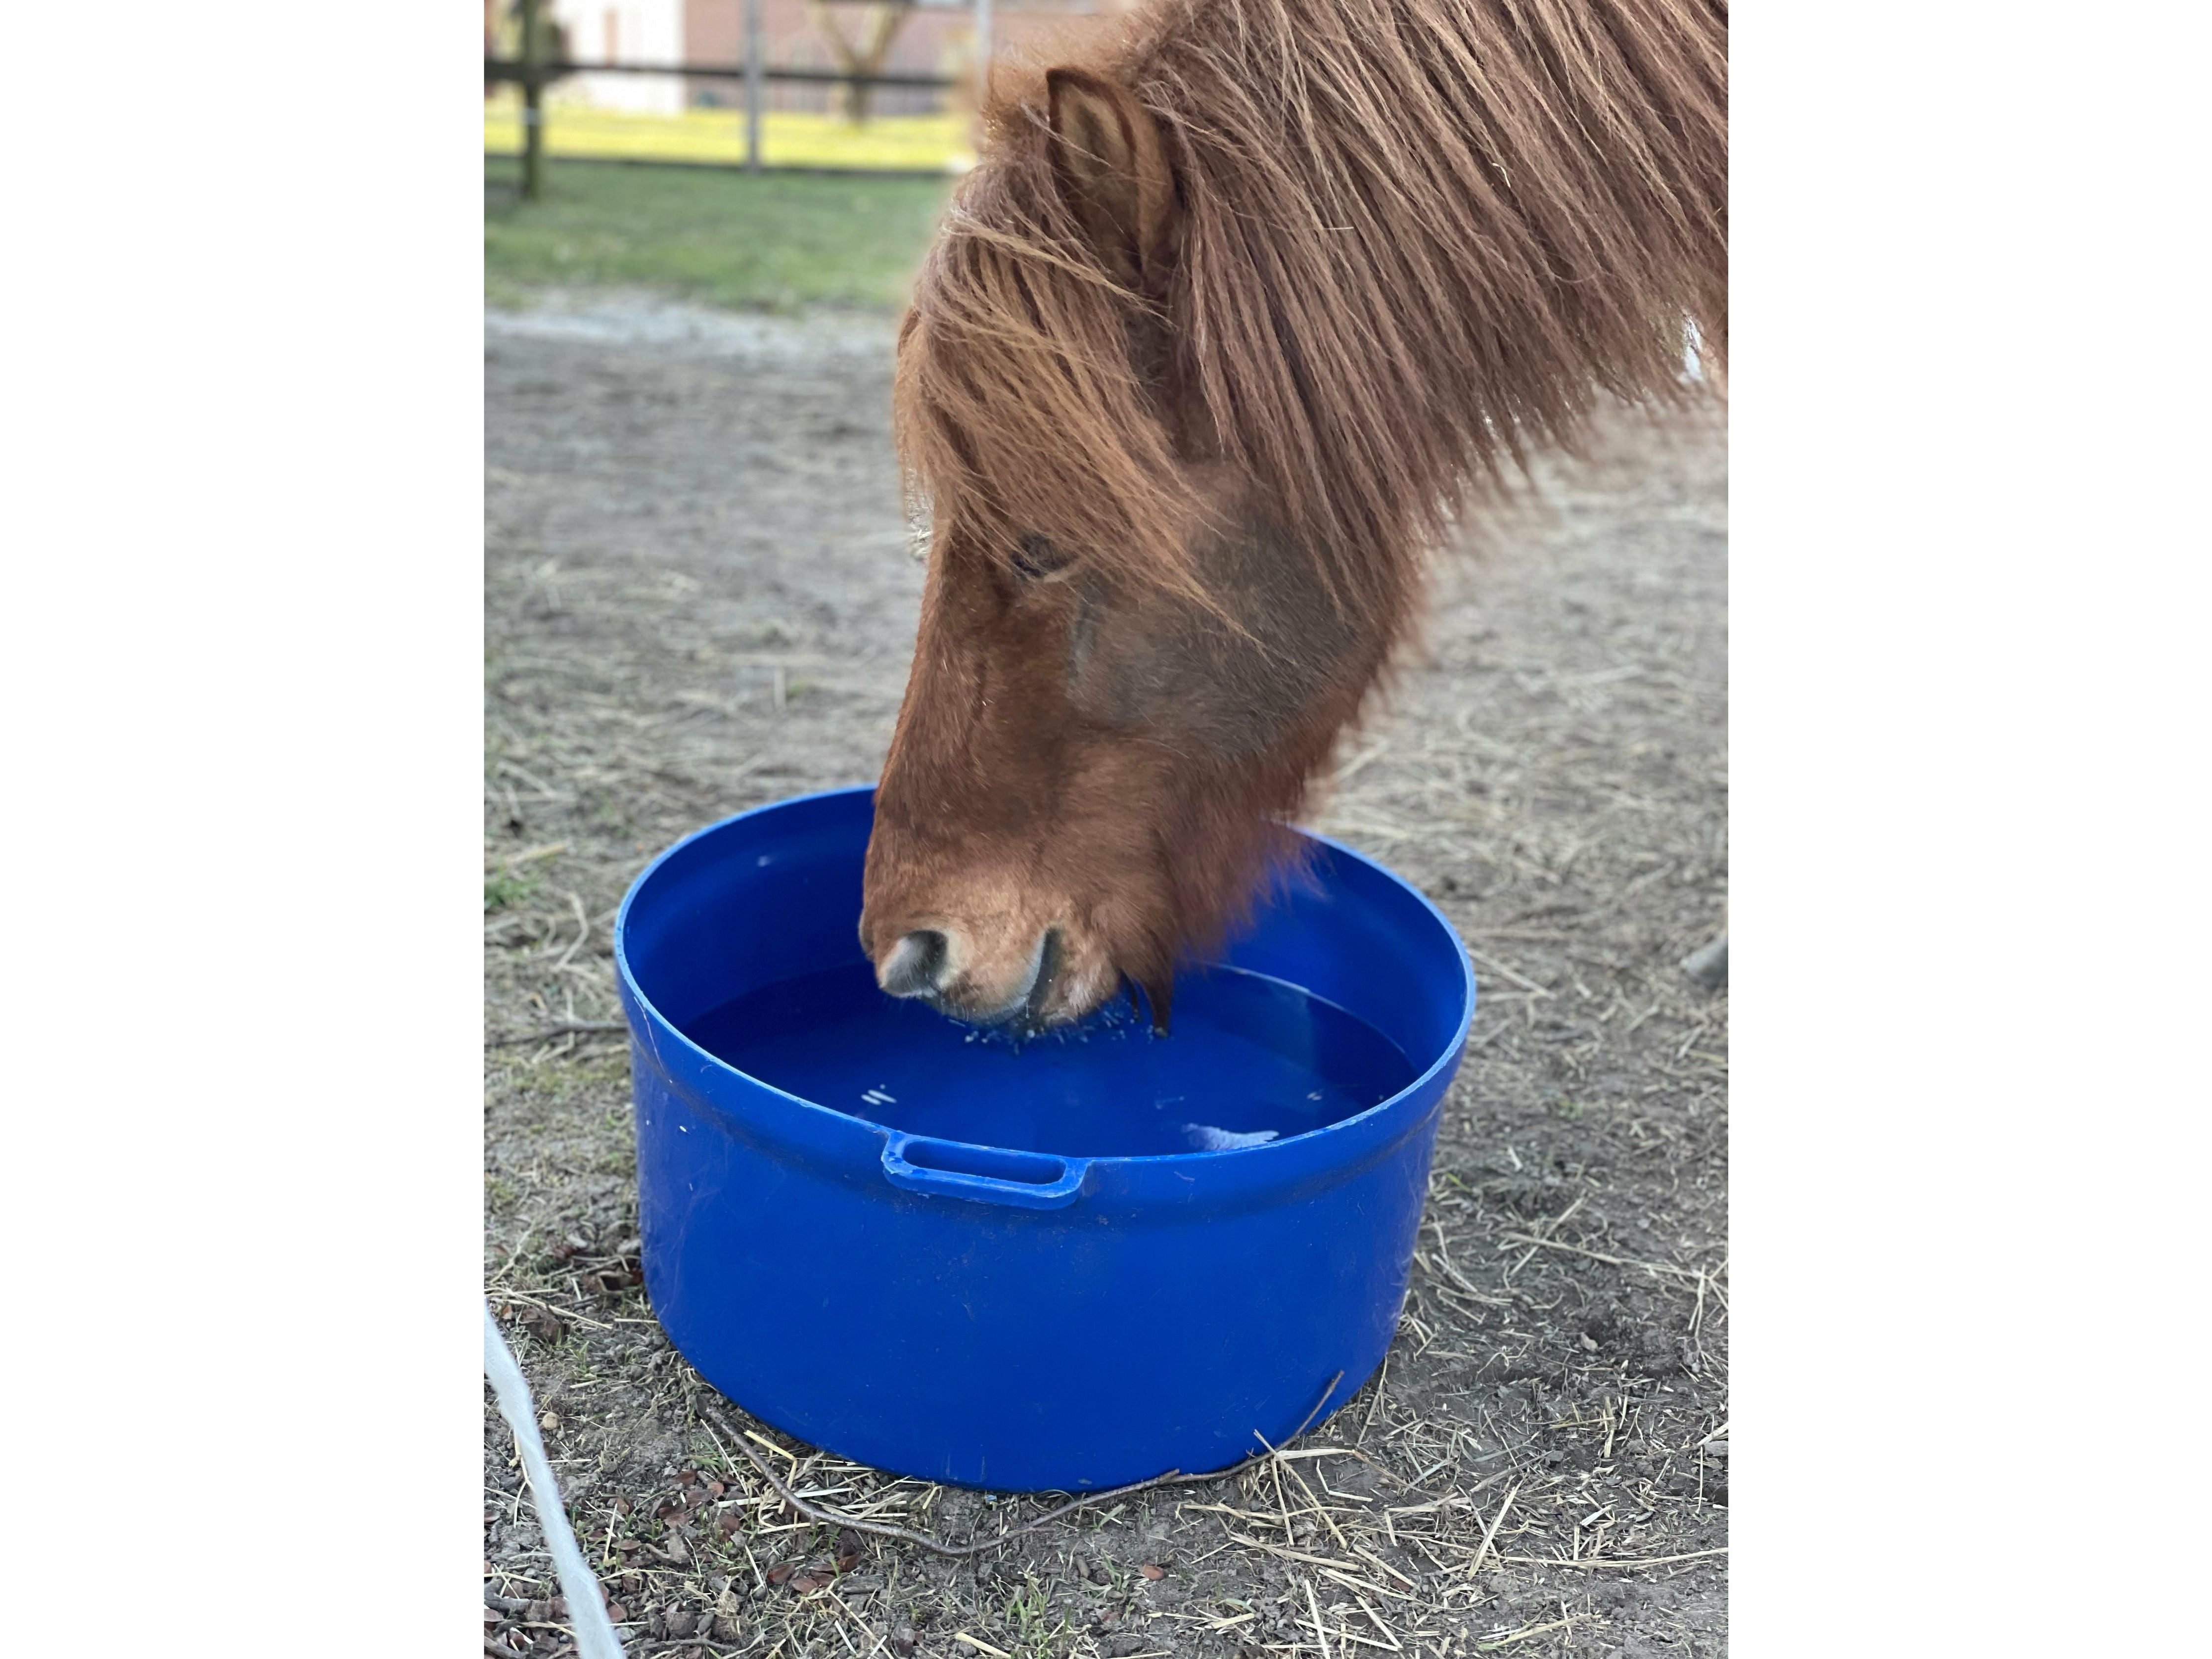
566	1650
1523	1634
531	855
1490	1535
826	1517
1536	1244
511	1294
565	1028
1375	1620
1327	1520
1306	1422
1378	1561
1381	1381
1336	1569
1512	973
1612	1560
1397	1480
1313	1606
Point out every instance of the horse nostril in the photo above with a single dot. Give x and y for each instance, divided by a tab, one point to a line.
915	965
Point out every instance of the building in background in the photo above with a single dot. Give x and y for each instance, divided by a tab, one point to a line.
935	36
601	31
623	32
925	37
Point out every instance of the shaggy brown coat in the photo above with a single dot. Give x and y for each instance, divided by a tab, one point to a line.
1244	300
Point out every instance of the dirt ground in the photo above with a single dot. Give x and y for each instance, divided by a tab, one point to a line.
700	599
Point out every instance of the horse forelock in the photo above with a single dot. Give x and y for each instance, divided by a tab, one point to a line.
1020	411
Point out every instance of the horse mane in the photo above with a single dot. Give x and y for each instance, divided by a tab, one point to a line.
1417	239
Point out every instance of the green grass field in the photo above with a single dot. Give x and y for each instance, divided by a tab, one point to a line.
791	138
777	241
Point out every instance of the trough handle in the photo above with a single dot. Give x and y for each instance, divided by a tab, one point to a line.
976	1183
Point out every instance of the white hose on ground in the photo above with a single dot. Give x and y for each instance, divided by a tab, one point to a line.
587	1611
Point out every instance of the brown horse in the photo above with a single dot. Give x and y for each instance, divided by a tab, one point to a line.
1239	307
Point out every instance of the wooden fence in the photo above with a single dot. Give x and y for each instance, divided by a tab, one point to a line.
535	70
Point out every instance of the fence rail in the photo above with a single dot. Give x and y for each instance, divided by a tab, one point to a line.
508	69
534	77
537	69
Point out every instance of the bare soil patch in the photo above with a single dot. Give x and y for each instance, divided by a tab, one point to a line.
700	597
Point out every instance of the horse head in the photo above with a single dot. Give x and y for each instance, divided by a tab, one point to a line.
1193	376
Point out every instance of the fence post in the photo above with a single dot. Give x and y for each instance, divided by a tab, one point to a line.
753	85
533	90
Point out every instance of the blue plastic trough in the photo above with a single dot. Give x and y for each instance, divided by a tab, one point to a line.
1019	1267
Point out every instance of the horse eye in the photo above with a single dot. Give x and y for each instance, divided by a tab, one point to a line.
1035	557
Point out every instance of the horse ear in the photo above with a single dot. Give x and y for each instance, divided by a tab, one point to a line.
1113	170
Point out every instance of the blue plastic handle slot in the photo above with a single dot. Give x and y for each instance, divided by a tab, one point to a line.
983	1175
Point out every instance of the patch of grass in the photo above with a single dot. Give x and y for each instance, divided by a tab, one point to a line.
506	887
500	1195
774	241
598	1076
1028	1618
925	144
